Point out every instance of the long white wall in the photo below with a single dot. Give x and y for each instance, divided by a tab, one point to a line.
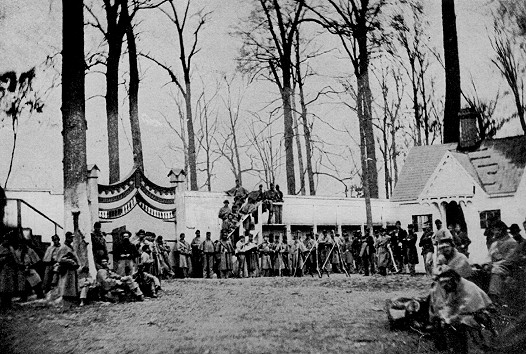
199	210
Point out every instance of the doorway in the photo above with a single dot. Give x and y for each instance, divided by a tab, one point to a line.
455	215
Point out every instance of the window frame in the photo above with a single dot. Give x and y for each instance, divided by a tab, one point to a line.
485	216
419	220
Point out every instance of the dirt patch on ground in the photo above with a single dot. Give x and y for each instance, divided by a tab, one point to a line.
261	315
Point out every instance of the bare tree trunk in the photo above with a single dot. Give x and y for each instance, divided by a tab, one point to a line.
192	158
238	158
288	137
112	112
426	113
416	111
138	160
77	216
365	179
364	94
452	103
298	144
306	129
114	37
395	152
385	142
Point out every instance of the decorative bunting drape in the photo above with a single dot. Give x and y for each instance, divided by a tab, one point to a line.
135	182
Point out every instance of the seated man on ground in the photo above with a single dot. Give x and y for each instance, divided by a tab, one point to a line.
149	284
111	283
86	285
453	308
126	253
448	255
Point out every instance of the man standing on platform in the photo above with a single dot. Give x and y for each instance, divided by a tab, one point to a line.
197	272
271	196
223	213
278	209
238	192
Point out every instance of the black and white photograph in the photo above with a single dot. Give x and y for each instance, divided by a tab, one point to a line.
262	176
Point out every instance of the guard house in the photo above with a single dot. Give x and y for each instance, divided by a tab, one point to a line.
468	183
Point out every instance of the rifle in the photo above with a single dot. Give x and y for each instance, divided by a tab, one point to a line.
317	261
342	263
326	260
392	257
308	255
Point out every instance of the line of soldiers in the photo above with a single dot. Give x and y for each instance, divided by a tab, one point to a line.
328	253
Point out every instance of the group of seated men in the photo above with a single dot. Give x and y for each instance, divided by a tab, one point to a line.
461	295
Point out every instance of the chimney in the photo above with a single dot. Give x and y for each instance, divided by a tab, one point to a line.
469	135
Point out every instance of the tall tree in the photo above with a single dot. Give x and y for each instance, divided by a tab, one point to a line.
508	43
116	28
392	88
133	93
300	81
77	217
357	25
410	37
119	17
452	66
207	119
229	145
267	52
187	50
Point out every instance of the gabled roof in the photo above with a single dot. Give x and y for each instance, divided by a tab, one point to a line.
500	164
497	165
419	165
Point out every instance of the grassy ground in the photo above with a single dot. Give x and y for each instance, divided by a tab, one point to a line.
261	315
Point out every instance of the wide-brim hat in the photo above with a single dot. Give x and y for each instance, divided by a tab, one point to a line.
514	228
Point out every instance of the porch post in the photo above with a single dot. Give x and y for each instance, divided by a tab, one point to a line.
93	192
178	180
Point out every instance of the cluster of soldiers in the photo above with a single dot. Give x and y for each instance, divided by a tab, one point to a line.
463	294
223	259
245	203
327	253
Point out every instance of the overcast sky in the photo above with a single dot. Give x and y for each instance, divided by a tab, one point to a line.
31	30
